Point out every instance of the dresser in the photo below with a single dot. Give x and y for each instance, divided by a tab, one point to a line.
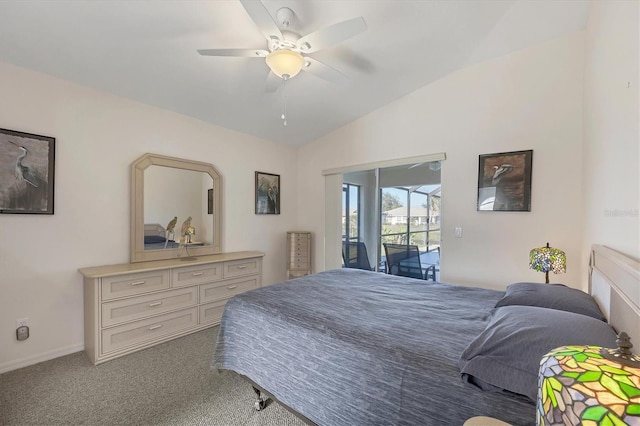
298	254
133	306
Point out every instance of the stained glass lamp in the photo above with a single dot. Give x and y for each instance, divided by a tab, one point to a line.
589	386
545	259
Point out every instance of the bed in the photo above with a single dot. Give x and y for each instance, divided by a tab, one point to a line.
155	237
353	347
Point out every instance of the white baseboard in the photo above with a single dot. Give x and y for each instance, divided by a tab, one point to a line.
45	356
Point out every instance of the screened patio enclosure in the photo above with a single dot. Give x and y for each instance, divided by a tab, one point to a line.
397	205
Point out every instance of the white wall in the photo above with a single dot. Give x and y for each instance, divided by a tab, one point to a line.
611	126
531	99
97	137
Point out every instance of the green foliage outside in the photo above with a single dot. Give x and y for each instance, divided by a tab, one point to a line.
353	228
390	202
397	234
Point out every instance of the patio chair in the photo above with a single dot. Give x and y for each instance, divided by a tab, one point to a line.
403	260
432	258
354	255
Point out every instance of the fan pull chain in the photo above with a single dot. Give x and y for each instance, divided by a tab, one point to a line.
284	102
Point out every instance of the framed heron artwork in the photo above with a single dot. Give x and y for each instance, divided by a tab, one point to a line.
504	181
27	164
267	193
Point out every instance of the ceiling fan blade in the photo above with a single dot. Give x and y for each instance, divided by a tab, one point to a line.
331	35
273	82
247	53
324	71
262	19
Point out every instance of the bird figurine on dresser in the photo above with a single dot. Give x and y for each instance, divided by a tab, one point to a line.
184	231
170	231
172	224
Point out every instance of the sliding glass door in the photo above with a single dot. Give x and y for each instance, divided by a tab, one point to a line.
398	204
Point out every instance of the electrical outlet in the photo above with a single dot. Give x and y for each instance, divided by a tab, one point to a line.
22	333
22	322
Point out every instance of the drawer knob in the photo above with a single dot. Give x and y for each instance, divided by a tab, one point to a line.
155	327
197	274
242	267
231	287
138	282
151	305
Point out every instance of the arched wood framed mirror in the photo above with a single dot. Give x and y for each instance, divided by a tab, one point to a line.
163	188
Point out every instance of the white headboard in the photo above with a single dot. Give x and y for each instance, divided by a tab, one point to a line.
614	281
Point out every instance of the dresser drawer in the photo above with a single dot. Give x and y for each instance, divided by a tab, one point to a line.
139	332
143	306
132	284
296	251
239	268
226	289
197	274
299	262
299	245
212	312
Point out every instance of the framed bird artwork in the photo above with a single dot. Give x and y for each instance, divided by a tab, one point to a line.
267	193
27	164
504	181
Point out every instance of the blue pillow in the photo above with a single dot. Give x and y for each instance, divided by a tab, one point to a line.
552	296
506	355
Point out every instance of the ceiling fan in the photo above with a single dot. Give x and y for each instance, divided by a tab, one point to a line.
287	52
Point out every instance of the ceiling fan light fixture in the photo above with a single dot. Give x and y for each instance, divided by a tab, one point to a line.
285	62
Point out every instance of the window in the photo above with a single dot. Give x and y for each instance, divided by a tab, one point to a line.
350	212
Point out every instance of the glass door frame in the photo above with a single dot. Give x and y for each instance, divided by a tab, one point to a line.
333	204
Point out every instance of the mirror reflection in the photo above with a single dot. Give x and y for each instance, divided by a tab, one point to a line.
178	208
166	188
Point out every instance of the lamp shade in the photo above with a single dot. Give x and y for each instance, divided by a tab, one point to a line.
545	259
285	63
577	385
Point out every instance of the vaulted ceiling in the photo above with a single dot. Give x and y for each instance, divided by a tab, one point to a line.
146	51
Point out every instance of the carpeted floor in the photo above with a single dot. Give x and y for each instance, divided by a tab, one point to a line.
169	384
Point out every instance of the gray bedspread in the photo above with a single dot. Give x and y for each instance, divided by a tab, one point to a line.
352	347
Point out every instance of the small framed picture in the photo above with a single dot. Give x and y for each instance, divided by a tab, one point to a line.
504	181
27	164
267	193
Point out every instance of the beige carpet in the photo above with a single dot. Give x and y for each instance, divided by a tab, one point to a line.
170	384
